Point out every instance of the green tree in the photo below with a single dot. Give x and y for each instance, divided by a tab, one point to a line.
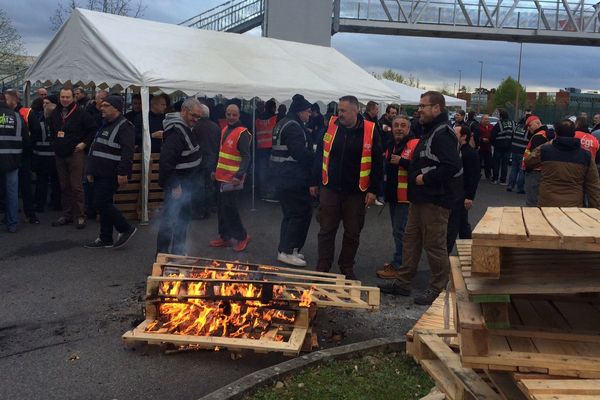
392	75
11	43
506	93
118	7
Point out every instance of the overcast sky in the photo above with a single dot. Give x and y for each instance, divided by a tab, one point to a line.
434	61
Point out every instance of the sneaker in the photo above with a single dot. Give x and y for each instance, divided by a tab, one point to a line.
242	244
494	182
427	296
291	259
299	255
503	183
98	244
220	243
11	229
80	223
378	203
388	272
394	289
124	237
349	273
33	219
62	221
509	189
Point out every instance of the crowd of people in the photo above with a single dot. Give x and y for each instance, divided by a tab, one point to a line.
426	168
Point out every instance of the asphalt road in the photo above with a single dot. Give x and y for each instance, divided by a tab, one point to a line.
65	307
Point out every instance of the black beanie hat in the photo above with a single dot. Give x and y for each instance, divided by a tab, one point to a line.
299	103
115	101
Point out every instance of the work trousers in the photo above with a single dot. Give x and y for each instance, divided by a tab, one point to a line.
202	193
45	175
70	173
500	164
427	229
486	161
517	177
336	207
10	181
25	186
230	222
399	216
174	221
266	189
296	205
532	187
104	190
458	224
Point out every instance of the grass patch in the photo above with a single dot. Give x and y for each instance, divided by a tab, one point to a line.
379	376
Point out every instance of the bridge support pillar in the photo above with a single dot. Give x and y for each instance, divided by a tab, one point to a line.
306	21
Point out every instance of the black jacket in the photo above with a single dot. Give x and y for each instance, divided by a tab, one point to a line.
11	124
443	183
78	127
471	170
290	132
474	125
173	144
102	167
209	134
136	119
345	159
502	135
155	123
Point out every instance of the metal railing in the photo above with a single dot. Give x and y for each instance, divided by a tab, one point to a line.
551	15
228	16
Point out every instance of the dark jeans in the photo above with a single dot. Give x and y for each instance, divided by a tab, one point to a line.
517	176
110	216
458	224
486	162
399	216
88	193
202	193
266	188
296	205
230	223
335	207
500	164
9	182
532	187
25	186
175	218
45	172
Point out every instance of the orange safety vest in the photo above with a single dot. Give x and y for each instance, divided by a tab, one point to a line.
264	132
407	154
230	158
365	159
588	142
222	123
527	152
24	112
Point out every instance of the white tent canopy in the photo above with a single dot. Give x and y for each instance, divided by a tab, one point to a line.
105	48
99	48
411	95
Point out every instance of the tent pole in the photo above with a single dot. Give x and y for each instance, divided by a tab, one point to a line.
146	149
253	155
26	90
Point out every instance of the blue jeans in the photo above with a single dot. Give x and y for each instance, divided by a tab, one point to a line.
399	216
175	218
500	165
517	177
11	206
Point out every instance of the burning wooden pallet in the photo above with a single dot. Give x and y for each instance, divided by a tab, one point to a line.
205	303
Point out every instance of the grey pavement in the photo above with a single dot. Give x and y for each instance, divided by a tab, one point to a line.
65	307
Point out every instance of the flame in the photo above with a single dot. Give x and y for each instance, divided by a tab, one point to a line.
241	314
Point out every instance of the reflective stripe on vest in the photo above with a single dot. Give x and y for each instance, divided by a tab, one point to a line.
427	153
230	158
507	128
186	161
280	151
527	152
264	132
107	139
365	159
407	154
110	142
43	148
101	154
11	140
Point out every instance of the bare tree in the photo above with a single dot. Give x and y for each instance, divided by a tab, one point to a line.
11	43
119	7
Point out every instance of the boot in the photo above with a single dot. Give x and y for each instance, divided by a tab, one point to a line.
349	273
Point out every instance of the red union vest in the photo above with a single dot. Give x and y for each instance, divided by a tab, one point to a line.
588	142
24	112
264	132
527	152
222	123
365	160
230	158
407	154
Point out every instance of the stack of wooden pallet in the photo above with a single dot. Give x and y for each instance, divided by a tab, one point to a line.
128	197
525	298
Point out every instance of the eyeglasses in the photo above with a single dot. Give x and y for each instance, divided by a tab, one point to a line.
426	105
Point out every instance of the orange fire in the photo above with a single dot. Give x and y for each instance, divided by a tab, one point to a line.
228	309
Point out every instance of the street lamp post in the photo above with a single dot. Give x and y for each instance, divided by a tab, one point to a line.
479	96
518	85
459	80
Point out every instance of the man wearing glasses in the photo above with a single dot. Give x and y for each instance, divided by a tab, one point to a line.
434	184
179	157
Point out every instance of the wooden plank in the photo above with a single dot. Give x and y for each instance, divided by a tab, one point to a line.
485	260
592	212
587	223
512	226
587	387
489	225
496	315
505	385
443	378
568	230
469	314
537	227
